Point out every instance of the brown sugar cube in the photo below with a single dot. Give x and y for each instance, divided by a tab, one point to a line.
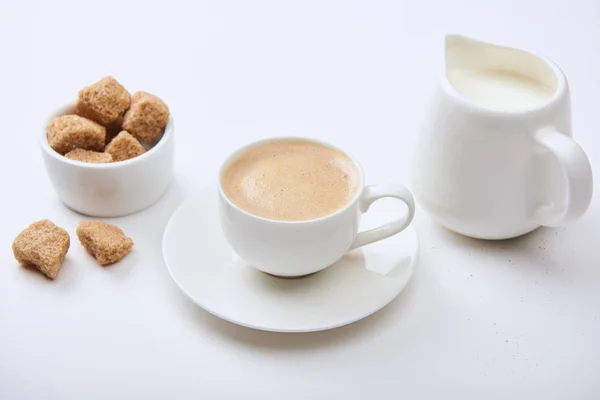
146	118
89	156
106	242
104	101
124	146
70	132
43	245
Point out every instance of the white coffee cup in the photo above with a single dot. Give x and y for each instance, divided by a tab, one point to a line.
496	173
296	248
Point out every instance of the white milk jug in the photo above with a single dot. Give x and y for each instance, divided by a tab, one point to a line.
496	158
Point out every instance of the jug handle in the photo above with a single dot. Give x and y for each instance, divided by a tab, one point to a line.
578	172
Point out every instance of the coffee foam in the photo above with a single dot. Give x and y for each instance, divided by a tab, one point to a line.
291	180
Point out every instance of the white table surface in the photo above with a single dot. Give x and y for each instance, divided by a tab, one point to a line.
517	319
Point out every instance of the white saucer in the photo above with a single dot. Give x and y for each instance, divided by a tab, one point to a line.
204	267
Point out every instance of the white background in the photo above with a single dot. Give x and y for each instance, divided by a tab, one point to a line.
517	319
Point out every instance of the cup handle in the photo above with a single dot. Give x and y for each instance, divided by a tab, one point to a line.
374	193
578	172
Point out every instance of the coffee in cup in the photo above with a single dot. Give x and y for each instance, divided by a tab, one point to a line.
291	180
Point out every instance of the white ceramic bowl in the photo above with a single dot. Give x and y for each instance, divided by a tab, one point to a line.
111	189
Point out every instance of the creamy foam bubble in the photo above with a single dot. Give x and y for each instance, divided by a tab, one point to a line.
291	180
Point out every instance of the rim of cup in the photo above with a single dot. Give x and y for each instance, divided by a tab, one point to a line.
69	109
240	150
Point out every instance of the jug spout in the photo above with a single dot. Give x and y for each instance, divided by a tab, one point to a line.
464	52
499	77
